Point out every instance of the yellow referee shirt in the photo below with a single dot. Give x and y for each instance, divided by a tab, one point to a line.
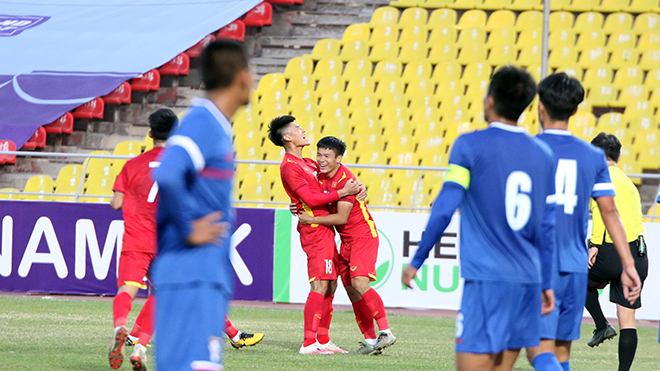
628	203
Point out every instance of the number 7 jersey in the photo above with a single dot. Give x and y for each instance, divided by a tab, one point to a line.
582	174
508	177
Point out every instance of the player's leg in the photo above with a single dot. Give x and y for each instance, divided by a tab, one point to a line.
505	360
627	338
606	268
571	309
543	357
323	335
474	361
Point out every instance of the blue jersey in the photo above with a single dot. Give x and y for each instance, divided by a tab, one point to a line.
195	179
508	178
582	173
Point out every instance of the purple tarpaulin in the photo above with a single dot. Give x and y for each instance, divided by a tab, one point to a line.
71	248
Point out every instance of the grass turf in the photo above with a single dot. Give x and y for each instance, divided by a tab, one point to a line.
69	334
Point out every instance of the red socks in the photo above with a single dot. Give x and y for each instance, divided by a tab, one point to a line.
364	319
147	323
121	306
326	317
377	309
312	314
230	330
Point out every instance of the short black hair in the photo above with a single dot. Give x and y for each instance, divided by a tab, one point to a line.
332	143
512	89
561	95
610	144
276	129
221	61
161	123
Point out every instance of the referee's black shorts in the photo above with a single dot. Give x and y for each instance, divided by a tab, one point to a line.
607	268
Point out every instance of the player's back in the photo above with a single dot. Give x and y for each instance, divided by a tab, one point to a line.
509	176
582	173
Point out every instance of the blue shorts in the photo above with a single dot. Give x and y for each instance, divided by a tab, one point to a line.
570	296
190	322
498	316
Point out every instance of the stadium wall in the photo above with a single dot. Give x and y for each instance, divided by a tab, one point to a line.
70	248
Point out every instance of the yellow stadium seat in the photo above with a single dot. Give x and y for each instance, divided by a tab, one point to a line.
269	111
465	4
387	69
64	188
589	21
562	56
364	104
591	39
529	55
14	195
357	31
629	76
358	68
638	124
525	5
630	94
477	72
502	54
501	19
98	190
650	60
331	84
413	17
611	6
618	21
128	148
299	66
354	49
413	51
417	69
398	145
473	18
360	85
450	70
638	109
476	90
593	57
602	95
69	172
621	40
273	97
420	87
304	101
535	71
472	53
384	16
384	33
561	21
435	3
502	36
529	37
411	34
556	5
582	5
271	82
611	121
336	121
442	17
531	19
646	22
457	103
300	83
328	67
449	88
431	151
38	184
494	4
93	163
561	38
472	35
333	99
389	86
642	6
648	145
325	48
248	117
620	58
572	70
585	106
582	120
649	40
443	35
422	101
441	53
383	51
652	79
406	3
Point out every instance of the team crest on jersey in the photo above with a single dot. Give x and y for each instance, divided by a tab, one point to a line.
334	184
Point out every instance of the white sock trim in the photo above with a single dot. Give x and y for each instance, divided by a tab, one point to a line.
387	331
371	341
236	338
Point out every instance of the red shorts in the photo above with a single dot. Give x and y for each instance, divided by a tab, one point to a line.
133	267
322	257
358	259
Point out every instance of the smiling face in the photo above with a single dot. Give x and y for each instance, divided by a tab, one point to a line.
296	135
327	160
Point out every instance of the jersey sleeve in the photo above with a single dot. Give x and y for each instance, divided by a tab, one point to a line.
121	183
459	164
603	186
341	185
294	177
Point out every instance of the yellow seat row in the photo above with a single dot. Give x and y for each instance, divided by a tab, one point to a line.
607	6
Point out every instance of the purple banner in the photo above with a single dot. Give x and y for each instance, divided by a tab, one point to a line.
71	248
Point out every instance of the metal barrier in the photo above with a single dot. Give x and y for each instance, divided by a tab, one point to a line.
412	208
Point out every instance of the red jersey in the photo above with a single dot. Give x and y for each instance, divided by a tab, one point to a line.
140	201
360	224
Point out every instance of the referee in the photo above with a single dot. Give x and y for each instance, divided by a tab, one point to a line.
607	266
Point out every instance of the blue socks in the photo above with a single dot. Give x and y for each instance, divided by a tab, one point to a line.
547	362
566	365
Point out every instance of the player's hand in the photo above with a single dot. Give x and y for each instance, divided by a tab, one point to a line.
208	229
305	218
350	188
362	196
547	302
409	273
632	285
293	209
593	252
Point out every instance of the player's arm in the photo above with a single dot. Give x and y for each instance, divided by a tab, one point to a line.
340	218
547	244
117	200
293	175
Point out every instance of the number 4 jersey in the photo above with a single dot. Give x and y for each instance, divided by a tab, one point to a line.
582	173
508	177
137	185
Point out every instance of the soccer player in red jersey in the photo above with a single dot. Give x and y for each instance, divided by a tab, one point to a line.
299	177
359	246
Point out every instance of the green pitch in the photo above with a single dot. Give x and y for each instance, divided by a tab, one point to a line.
59	334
